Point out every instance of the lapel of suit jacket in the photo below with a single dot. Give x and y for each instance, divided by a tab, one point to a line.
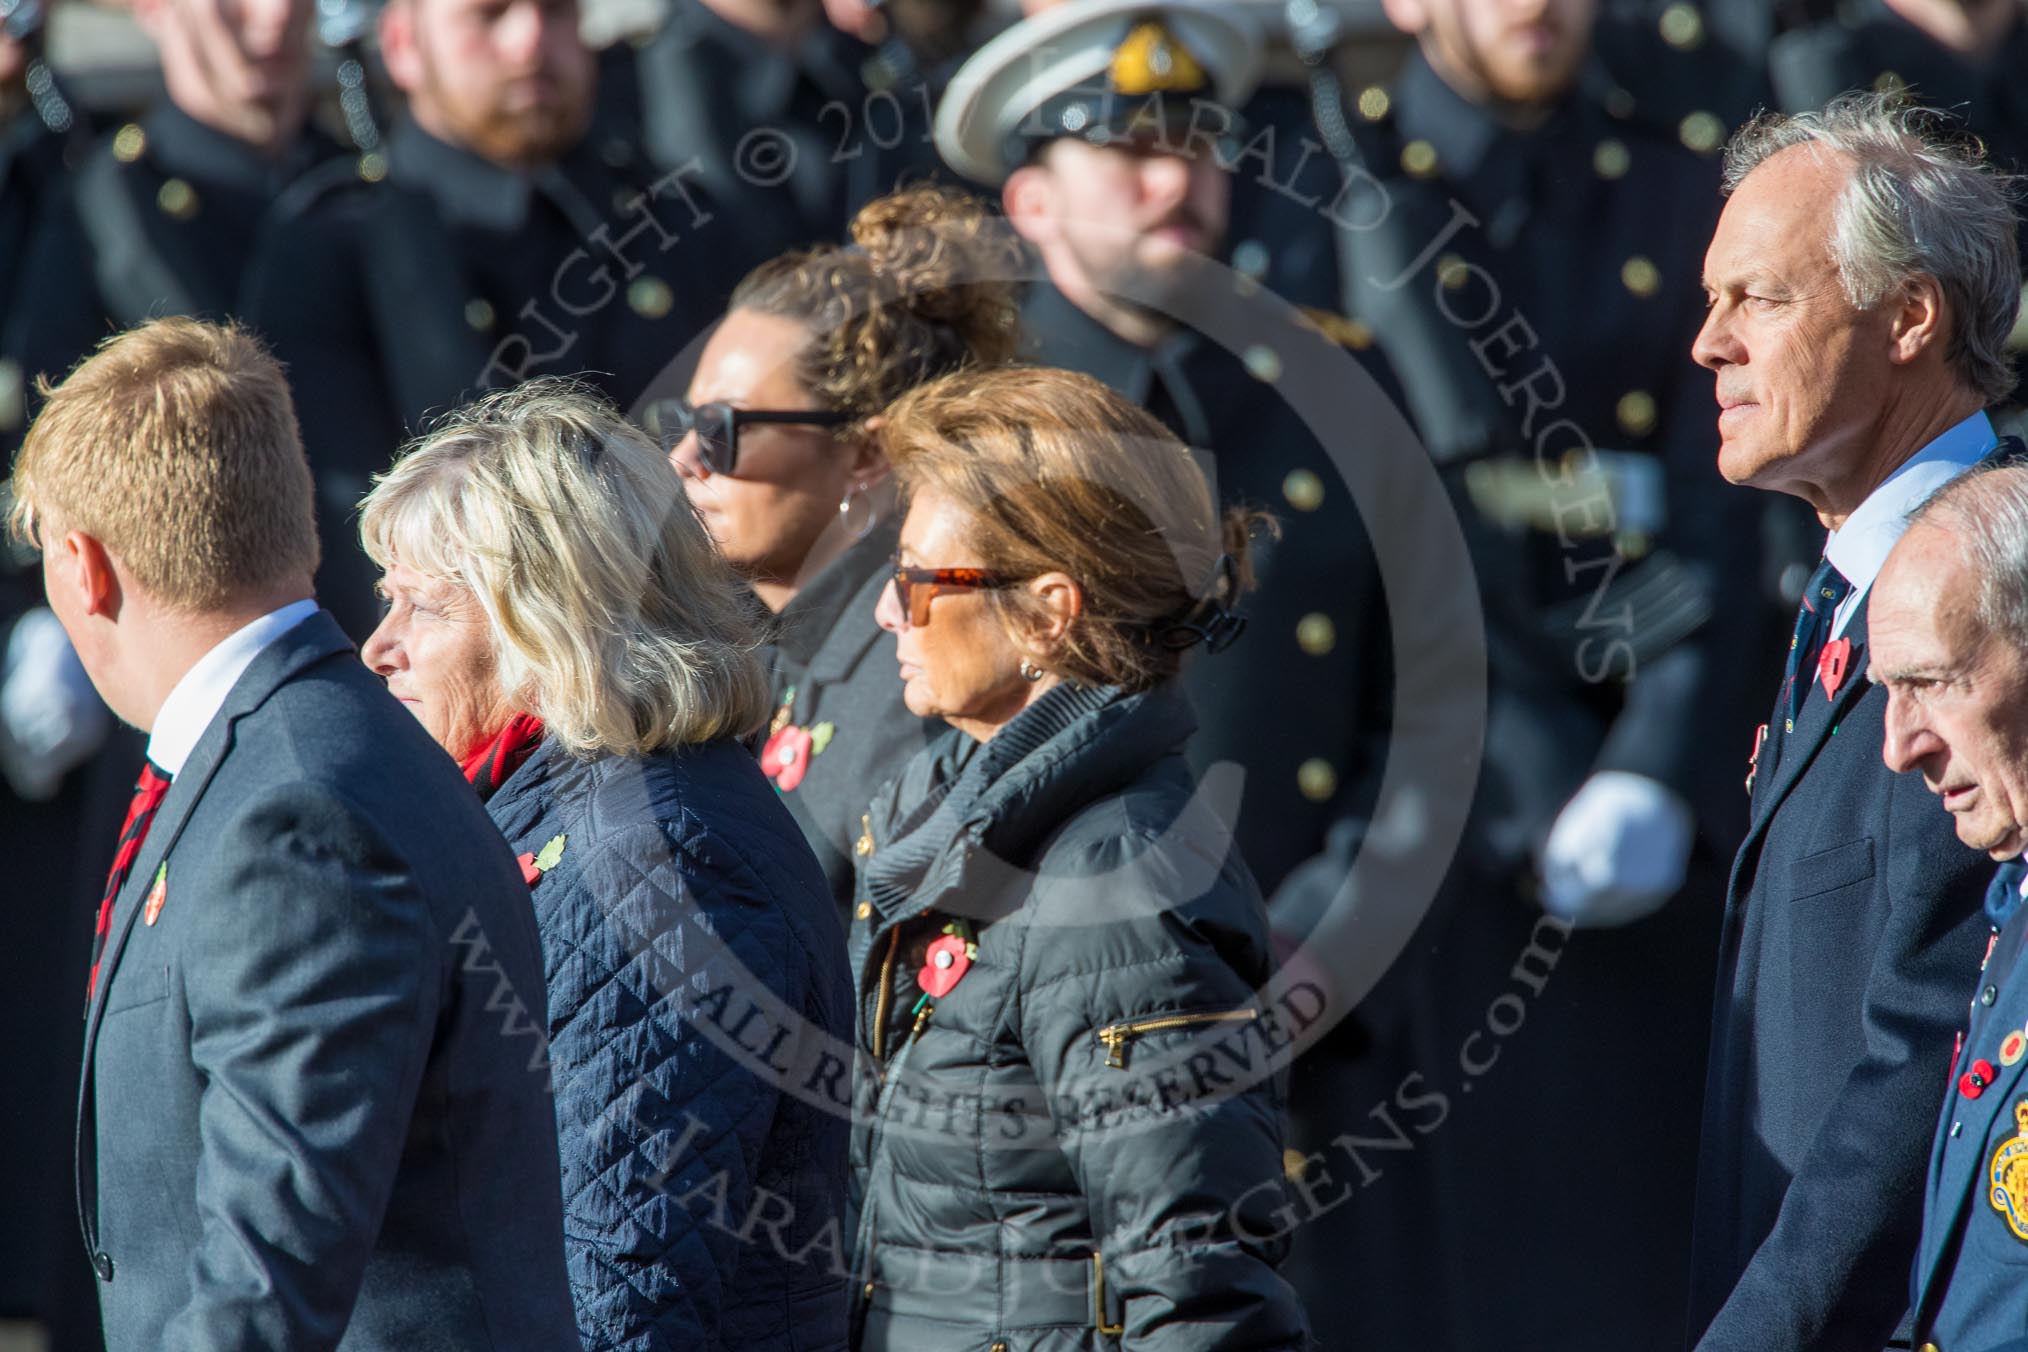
314	639
1819	721
1951	1198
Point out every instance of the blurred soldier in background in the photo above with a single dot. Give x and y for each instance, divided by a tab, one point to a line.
1528	260
1965	56
511	235
1101	121
780	115
161	217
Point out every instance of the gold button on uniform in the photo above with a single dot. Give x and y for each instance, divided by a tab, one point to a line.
1315	634
372	166
128	143
1419	159
1929	1347
1304	490
1702	132
1641	276
479	313
1889	82
864	910
1374	103
1452	272
1611	159
1636	412
650	297
1682	27
1293	1164
1317	780
177	199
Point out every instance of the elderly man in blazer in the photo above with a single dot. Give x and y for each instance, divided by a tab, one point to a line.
1862	280
314	1108
1950	647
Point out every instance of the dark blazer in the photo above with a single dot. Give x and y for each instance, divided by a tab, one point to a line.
1968	1285
315	1110
693	958
1851	925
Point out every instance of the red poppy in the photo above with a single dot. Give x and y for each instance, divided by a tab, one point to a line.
786	757
943	963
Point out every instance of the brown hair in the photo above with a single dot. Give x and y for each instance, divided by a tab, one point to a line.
926	287
1062	474
175	446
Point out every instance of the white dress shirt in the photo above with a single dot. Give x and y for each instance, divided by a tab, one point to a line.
1862	544
198	697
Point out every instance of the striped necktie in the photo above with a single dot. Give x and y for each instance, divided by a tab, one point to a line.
1827	588
148	792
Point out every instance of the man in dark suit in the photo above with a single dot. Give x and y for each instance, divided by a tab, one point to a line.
314	1107
1949	631
1853	367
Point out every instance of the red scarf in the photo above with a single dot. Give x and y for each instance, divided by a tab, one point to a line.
496	760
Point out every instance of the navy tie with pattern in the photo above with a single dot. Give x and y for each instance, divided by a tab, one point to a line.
1827	588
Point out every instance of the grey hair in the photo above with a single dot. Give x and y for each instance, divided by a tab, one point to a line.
614	618
1922	201
1986	510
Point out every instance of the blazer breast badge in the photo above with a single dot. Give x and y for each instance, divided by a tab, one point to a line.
2007	1176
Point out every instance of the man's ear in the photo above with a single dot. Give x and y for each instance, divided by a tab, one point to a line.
397	45
1028	197
1919	319
80	563
1410	16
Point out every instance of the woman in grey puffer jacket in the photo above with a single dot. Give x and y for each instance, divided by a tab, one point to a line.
1070	1113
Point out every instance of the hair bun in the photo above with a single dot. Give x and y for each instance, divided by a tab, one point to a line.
944	256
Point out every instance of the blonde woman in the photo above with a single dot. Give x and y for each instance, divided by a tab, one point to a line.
1072	1134
562	626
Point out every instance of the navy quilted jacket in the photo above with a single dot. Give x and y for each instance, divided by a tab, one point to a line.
697	982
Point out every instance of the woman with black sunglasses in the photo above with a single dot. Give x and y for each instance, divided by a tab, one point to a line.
776	447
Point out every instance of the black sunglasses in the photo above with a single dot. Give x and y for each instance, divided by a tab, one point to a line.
717	426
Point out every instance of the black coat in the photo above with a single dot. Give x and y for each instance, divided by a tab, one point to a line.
836	682
1079	1145
793	139
1852	929
396	300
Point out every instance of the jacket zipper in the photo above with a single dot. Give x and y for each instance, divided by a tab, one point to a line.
1118	1036
880	1000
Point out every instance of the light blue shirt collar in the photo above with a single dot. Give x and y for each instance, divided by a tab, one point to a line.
1862	545
197	698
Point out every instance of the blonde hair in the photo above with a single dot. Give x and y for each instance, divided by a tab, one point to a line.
174	446
614	618
1061	474
927	286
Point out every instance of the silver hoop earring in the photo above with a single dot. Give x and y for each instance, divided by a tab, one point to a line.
1029	671
856	496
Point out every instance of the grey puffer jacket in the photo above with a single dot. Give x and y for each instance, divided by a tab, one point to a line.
1070	1112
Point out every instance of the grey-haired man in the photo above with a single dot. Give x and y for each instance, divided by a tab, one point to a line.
1862	281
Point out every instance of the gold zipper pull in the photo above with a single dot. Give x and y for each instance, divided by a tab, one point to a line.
1116	1040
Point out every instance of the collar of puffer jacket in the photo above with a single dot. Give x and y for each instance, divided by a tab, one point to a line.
960	827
